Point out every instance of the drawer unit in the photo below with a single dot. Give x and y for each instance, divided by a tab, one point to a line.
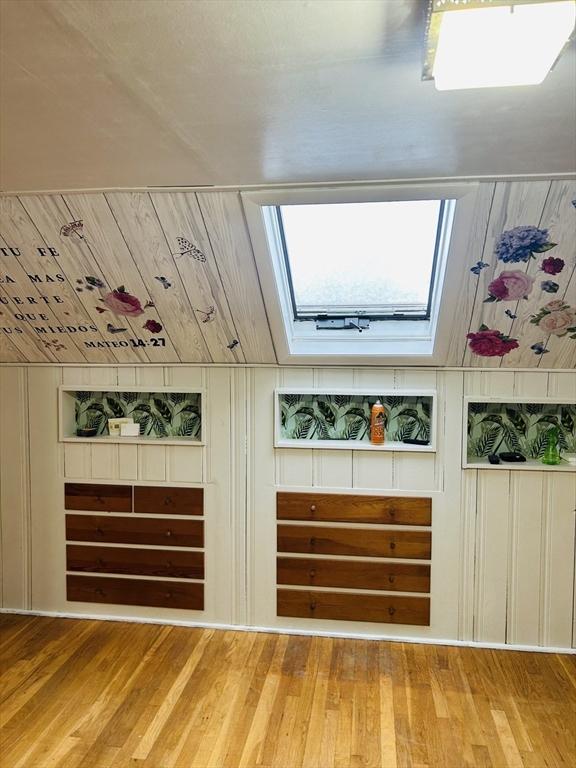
319	559
137	562
344	606
97	498
159	500
358	574
338	508
163	594
312	539
135	530
152	520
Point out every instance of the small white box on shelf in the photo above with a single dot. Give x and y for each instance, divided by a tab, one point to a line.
115	425
129	429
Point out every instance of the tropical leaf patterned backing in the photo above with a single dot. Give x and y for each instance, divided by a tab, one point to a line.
159	414
523	427
347	417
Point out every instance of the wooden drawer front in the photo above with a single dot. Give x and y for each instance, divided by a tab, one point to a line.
353	574
164	594
135	530
346	508
385	609
168	501
98	498
314	540
140	562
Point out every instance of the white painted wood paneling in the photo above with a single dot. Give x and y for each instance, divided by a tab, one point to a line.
492	530
14	489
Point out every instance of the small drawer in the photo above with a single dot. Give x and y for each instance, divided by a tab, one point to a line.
363	542
158	500
349	508
135	530
162	594
353	574
381	609
137	562
97	498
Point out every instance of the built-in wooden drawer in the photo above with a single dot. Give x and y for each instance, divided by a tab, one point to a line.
353	574
349	508
98	498
163	594
139	562
316	540
385	609
135	530
158	500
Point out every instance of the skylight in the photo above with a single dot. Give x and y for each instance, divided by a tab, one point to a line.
372	260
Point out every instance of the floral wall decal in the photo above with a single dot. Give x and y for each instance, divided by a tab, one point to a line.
556	318
510	285
521	243
153	326
489	342
552	266
120	302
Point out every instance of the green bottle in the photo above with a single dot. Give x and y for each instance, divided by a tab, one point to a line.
552	452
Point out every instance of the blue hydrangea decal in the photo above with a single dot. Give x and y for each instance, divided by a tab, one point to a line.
521	243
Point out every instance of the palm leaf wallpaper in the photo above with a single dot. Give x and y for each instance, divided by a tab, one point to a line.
523	427
159	414
347	417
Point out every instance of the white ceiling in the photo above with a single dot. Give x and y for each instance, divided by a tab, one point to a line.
128	93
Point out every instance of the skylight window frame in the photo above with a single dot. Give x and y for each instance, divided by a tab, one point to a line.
389	342
353	311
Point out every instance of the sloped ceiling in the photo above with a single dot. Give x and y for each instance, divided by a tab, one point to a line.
144	93
169	277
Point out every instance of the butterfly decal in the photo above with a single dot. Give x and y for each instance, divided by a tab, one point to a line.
478	267
233	343
189	249
539	348
165	282
510	314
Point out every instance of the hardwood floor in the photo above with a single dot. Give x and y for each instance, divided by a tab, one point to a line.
89	694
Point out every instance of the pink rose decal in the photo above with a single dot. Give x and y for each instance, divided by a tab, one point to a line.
510	285
490	343
556	318
552	266
153	326
558	322
121	303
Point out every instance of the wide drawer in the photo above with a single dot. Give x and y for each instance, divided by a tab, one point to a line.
315	540
163	594
353	574
158	500
383	609
135	530
98	498
349	508
139	562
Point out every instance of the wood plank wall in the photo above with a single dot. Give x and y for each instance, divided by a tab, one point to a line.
503	541
213	298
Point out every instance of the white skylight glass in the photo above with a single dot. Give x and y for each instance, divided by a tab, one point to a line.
370	258
492	46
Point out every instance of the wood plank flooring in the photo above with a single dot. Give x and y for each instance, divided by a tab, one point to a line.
89	694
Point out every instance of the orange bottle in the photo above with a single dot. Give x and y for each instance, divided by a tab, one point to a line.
377	423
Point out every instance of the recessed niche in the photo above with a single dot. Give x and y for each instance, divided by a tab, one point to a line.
494	426
167	415
341	419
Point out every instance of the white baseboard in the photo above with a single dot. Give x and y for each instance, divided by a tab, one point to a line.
290	631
